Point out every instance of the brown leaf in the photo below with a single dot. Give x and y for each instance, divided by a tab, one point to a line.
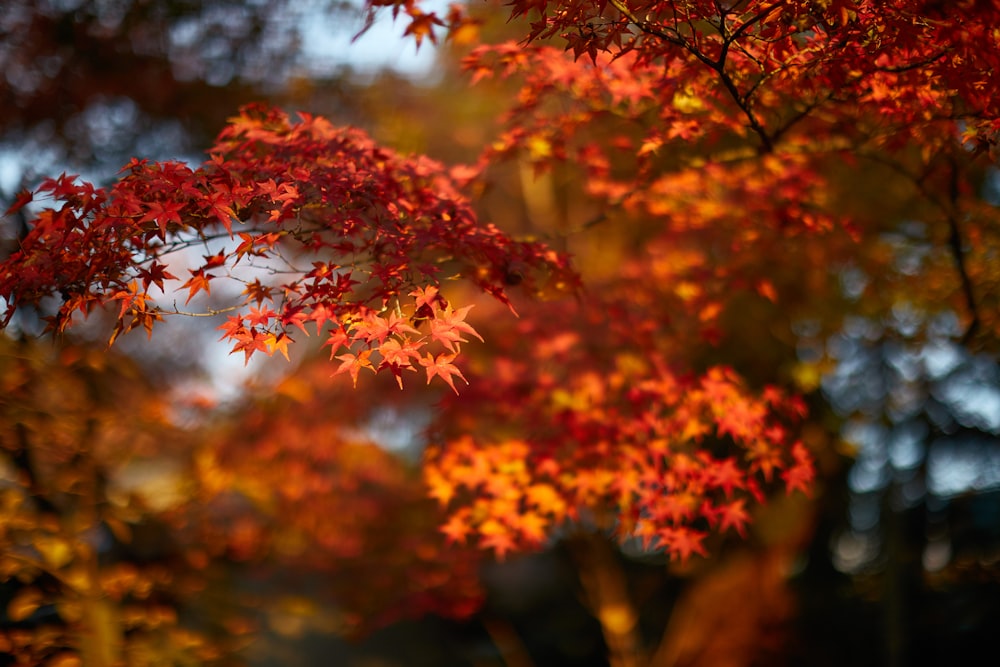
24	604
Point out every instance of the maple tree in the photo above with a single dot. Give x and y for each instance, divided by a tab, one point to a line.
718	139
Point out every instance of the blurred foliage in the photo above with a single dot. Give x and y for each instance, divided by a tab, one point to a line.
93	498
89	83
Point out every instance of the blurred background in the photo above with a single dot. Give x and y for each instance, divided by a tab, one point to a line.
160	472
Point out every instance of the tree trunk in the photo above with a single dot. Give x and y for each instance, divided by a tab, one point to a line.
606	595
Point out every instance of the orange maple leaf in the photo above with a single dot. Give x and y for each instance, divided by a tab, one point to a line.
353	363
546	498
442	367
422	25
278	343
496	536
199	281
440	488
457	528
448	326
802	473
532	527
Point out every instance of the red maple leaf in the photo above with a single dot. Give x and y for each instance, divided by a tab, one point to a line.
163	213
457	528
156	273
801	474
734	515
22	199
725	475
683	541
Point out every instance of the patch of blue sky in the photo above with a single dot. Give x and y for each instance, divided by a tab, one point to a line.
331	41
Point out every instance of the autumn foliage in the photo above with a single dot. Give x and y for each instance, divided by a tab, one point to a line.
562	430
82	583
356	236
355	512
718	141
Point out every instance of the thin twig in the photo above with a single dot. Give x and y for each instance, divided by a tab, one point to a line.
958	254
209	312
955	245
719	66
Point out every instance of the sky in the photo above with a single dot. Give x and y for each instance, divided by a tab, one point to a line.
328	42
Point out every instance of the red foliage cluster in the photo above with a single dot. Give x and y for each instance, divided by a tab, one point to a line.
689	95
598	430
761	67
315	224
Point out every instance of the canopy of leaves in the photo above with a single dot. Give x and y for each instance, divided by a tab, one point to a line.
738	182
359	236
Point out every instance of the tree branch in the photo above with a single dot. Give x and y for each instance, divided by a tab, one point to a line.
955	245
958	254
719	66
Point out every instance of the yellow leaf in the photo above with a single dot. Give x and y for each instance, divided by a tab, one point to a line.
539	148
687	290
465	34
55	551
70	610
120	529
687	102
650	146
77	576
295	388
565	400
546	499
807	376
278	343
